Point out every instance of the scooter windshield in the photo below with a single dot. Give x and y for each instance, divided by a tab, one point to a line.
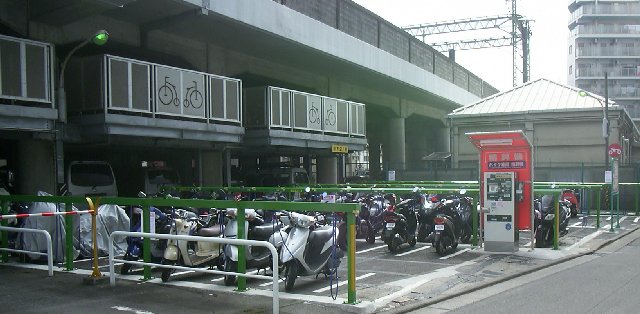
547	203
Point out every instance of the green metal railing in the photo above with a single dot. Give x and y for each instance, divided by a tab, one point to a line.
351	209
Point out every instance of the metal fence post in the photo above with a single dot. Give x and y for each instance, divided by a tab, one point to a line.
474	222
556	221
637	197
242	262
351	258
598	207
146	242
68	229
5	234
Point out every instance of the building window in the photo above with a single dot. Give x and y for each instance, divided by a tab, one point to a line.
570	49
571	69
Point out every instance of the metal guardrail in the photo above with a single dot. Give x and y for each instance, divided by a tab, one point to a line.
272	249
351	209
49	245
68	202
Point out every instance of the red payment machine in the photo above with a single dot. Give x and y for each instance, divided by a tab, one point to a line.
506	187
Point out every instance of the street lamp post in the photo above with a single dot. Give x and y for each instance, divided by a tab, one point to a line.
99	38
605	134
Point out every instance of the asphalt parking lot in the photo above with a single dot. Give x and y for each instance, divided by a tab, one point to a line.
387	281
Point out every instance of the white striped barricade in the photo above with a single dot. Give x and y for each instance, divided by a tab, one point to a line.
268	245
45	214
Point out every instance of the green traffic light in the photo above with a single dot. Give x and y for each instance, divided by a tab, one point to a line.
100	38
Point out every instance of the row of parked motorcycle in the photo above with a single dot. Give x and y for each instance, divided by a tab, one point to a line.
307	243
313	243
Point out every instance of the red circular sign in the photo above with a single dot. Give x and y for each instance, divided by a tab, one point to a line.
615	150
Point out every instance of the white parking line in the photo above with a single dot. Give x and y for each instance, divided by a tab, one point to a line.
585	240
221	278
454	254
371	249
269	283
183	272
343	282
114	264
415	250
577	224
636	220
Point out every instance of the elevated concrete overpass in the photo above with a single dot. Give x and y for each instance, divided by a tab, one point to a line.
331	48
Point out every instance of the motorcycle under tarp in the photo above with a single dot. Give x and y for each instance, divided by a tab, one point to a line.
110	218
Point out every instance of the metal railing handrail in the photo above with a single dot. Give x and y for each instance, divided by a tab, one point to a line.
268	245
47	236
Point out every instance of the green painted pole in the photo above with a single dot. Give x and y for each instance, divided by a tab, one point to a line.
474	222
242	262
637	198
618	209
598	208
146	242
5	234
556	223
68	229
351	258
611	207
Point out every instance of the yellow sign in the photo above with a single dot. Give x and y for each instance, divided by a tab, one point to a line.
339	149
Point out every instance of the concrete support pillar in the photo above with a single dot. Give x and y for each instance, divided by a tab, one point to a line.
36	169
396	145
375	168
328	170
212	165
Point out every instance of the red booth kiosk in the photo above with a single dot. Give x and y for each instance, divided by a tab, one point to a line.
506	187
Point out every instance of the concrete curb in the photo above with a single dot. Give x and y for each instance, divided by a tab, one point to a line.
425	303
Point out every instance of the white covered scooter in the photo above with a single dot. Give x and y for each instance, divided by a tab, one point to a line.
309	249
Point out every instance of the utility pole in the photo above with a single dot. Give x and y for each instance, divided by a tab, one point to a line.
519	33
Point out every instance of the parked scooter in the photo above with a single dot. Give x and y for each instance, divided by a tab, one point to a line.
256	256
544	223
135	246
310	249
448	223
192	253
425	216
400	224
371	208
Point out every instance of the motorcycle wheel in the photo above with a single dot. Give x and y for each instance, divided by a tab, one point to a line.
422	233
466	235
442	247
231	266
574	211
412	242
393	246
291	271
540	239
371	238
166	272
126	267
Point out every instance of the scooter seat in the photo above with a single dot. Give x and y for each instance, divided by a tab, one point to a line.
213	231
264	231
321	235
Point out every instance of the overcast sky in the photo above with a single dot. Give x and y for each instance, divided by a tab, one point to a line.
548	42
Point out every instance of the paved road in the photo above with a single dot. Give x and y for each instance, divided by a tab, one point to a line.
604	282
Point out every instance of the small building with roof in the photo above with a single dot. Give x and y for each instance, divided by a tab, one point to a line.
564	126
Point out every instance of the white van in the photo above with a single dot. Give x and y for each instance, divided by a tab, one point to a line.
91	178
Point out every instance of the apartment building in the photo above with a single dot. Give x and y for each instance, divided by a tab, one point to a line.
605	37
